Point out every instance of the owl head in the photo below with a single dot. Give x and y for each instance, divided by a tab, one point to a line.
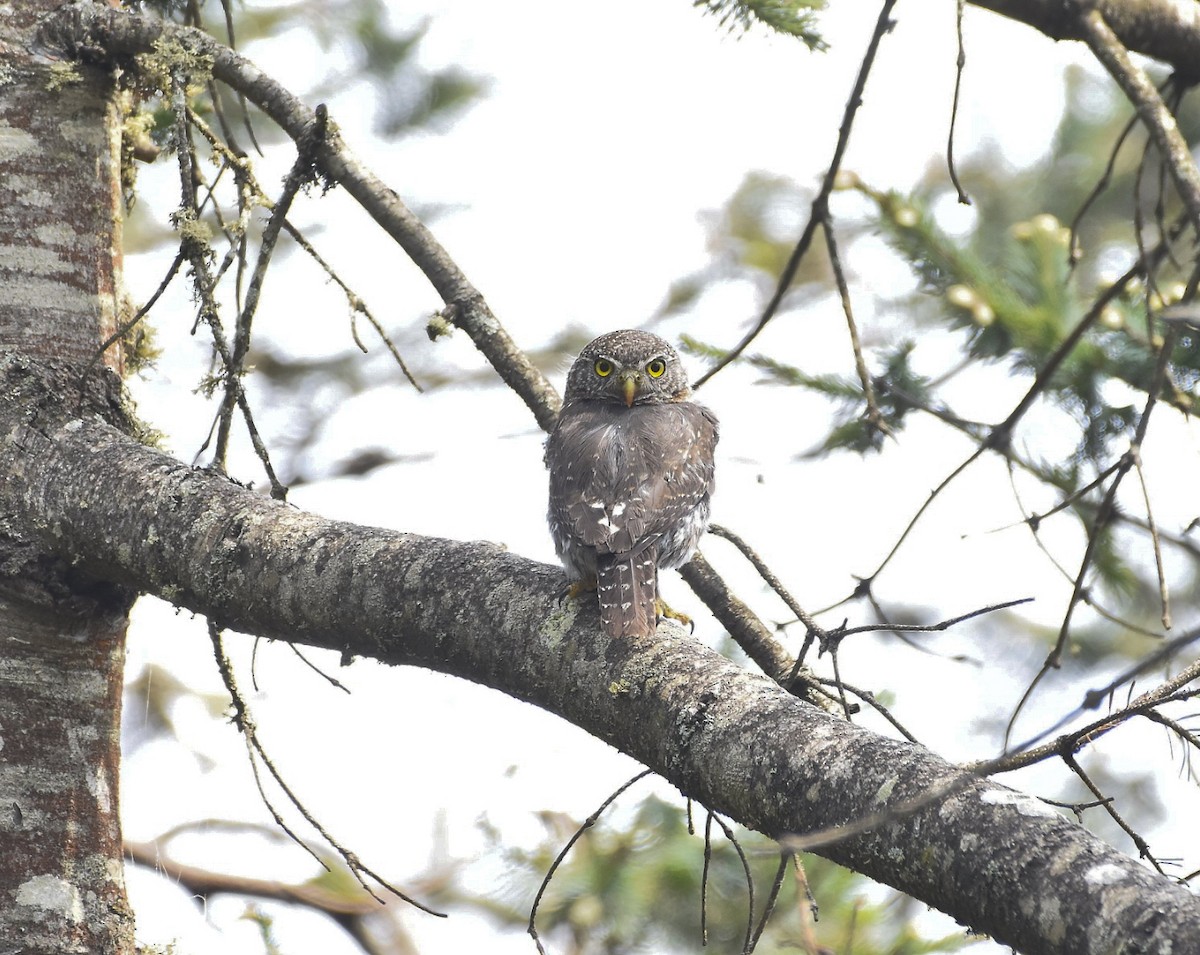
627	367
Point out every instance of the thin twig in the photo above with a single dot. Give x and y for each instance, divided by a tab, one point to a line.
772	898
1103	514
865	583
300	174
1163	594
746	943
1030	751
883	24
959	66
1073	248
196	252
769	578
258	753
141	313
558	860
1143	847
708	818
357	305
875	417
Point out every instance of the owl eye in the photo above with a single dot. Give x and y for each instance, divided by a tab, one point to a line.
656	368
603	367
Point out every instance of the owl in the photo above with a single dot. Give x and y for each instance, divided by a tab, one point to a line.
631	474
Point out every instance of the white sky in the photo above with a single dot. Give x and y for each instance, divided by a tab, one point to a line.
576	189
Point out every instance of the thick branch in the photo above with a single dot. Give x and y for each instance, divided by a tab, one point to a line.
1166	30
1000	862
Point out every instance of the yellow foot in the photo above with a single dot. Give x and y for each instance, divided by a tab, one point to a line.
576	587
662	610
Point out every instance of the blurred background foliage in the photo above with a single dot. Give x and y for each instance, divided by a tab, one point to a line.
1006	287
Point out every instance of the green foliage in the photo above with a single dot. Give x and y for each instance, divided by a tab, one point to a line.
639	890
750	239
409	97
795	18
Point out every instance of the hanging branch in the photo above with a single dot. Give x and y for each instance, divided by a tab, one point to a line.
960	64
258	754
558	860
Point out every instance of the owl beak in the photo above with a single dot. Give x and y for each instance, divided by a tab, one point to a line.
629	388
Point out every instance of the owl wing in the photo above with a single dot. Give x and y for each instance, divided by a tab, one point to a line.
625	484
621	478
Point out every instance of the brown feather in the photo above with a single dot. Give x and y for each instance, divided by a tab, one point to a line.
627	588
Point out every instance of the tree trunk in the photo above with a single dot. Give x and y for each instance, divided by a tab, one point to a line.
62	648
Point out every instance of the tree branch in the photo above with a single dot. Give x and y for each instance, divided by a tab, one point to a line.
90	32
998	861
1157	118
1165	30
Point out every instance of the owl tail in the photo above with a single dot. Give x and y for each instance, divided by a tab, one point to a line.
627	585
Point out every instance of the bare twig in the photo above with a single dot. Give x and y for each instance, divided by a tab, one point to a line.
357	305
1073	250
1163	593
747	942
88	31
300	174
558	860
1106	804
817	214
772	898
875	417
257	753
708	820
195	251
771	580
959	65
1030	752
1103	515
141	313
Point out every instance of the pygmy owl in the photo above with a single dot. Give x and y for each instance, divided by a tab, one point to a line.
631	474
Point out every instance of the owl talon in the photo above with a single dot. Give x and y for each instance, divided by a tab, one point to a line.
662	610
574	589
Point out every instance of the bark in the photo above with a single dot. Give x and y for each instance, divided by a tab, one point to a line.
998	861
61	635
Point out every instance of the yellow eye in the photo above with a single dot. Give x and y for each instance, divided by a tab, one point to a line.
603	367
656	368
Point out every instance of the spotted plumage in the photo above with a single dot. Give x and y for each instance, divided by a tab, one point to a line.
631	474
